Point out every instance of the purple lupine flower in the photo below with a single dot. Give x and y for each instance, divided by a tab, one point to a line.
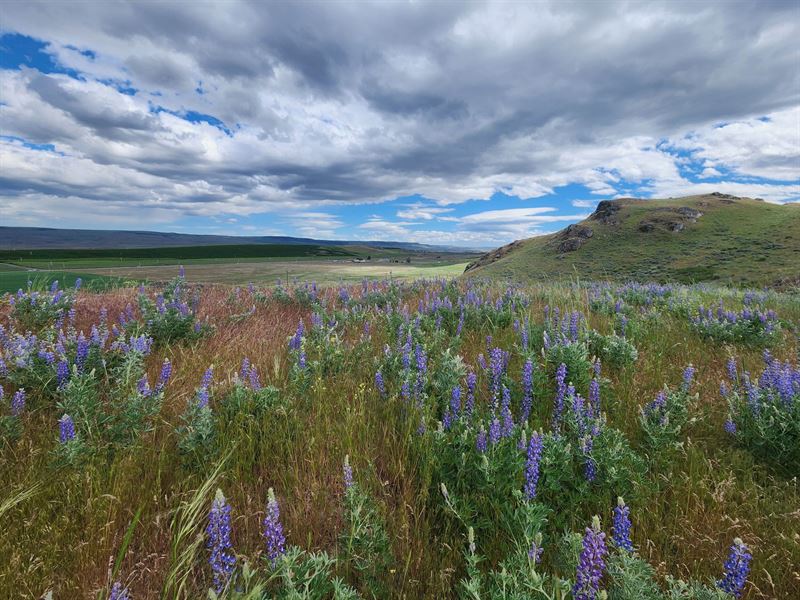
591	563
561	389
244	371
688	375
472	382
656	405
347	471
732	370
594	395
481	443
207	377
730	426
118	592
496	366
143	386
621	529
536	549
18	402
62	372
297	339
574	320
535	446
253	380
273	529
222	559
181	272
505	413
66	429
422	361
590	467
379	384
494	431
407	353
203	397
455	402
164	375
78	283
597	367
737	567
527	390
82	351
141	344
405	390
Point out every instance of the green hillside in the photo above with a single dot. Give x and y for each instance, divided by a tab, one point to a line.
714	237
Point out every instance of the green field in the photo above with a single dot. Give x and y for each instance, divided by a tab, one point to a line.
89	258
14	279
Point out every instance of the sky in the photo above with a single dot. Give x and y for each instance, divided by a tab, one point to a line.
464	124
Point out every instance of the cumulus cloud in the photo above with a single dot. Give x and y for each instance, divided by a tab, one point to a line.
294	109
766	147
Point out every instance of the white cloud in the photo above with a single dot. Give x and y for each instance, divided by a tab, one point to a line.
418	211
357	104
584	203
758	147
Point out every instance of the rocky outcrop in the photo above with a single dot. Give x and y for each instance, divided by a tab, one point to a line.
493	256
572	238
607	212
690	213
722	196
667	218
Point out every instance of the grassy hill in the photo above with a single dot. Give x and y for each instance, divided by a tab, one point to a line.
714	237
38	238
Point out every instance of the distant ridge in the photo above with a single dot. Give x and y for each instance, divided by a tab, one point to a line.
712	237
32	238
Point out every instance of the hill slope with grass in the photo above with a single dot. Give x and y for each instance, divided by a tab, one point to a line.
43	238
714	237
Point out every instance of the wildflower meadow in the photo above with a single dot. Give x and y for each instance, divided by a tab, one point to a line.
464	439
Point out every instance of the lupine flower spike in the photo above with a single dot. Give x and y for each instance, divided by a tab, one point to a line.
118	592
18	402
222	560
532	464
273	529
737	567
591	564
66	429
535	551
621	530
348	473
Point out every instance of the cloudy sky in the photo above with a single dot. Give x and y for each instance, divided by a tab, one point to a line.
455	123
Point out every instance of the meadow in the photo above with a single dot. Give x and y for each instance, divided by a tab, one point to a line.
428	438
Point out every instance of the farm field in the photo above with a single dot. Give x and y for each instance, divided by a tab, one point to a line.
321	271
16	278
237	264
426	438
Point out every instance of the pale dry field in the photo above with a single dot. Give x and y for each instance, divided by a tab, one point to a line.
321	271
